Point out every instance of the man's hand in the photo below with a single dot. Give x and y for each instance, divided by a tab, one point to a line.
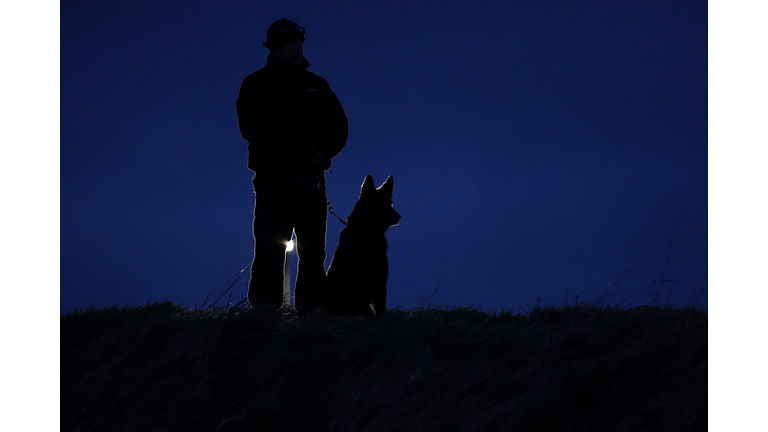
317	161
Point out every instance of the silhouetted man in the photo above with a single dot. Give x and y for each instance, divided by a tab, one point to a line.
294	125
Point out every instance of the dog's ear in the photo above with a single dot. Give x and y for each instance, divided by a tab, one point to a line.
387	186
368	186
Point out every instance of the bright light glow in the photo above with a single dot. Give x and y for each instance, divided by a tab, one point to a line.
289	246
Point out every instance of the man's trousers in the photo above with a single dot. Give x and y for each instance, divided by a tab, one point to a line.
287	203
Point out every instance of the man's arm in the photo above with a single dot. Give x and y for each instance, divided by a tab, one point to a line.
338	132
334	128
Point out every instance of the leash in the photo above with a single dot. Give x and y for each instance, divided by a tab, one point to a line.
330	209
321	186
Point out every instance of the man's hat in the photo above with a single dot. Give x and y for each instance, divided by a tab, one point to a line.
282	32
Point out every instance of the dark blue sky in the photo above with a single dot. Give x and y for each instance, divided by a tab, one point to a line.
537	148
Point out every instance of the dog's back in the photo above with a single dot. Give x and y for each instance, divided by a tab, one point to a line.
357	276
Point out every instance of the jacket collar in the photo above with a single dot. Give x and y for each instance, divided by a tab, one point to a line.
285	69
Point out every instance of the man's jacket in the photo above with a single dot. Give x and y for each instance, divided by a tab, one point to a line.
286	115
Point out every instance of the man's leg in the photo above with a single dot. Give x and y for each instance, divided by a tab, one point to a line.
310	244
272	228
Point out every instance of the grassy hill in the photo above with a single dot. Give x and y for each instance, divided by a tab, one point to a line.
162	367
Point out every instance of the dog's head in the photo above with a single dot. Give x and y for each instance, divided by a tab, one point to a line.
374	208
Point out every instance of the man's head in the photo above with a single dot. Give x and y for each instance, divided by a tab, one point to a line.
285	40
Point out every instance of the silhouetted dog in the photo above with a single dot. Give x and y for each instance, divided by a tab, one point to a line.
357	276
